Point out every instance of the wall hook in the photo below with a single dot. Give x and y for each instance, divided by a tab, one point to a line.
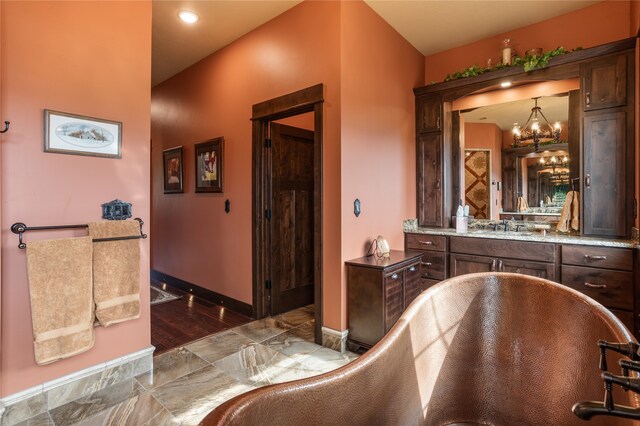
6	127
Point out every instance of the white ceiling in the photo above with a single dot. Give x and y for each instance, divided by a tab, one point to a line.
429	25
555	108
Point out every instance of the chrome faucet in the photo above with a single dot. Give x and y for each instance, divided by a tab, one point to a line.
506	225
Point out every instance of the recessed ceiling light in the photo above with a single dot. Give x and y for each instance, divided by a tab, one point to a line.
505	84
188	16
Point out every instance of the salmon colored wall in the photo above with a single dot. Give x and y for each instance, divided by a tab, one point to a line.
379	69
194	239
594	25
89	58
488	136
302	121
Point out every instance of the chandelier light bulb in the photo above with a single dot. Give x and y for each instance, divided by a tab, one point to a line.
535	126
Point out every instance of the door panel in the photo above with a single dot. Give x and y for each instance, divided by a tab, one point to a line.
467	264
291	241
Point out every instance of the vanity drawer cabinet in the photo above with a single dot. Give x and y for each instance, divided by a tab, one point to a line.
469	264
378	291
425	242
598	257
434	265
427	283
626	318
542	252
614	289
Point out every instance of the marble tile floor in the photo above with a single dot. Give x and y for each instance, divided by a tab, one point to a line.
188	382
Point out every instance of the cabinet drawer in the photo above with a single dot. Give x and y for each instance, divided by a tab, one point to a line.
425	242
598	257
614	289
434	265
543	252
625	317
426	283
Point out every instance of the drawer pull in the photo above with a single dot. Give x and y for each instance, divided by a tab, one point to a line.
493	265
595	285
394	276
412	269
588	256
500	266
426	263
426	243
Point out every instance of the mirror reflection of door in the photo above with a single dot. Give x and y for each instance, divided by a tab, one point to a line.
477	172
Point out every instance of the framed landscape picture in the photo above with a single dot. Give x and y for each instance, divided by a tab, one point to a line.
209	159
172	167
66	133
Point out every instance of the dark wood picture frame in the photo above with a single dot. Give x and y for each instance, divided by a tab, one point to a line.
172	161
209	169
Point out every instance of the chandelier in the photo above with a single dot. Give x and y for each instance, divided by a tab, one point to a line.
535	131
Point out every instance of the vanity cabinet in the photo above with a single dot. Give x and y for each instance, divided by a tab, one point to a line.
433	265
379	290
430	186
604	274
608	147
429	114
470	255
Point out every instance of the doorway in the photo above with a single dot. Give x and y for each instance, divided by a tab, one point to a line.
477	172
287	205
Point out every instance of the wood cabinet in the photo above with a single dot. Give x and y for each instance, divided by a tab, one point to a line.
604	83
604	274
430	186
379	290
433	265
429	114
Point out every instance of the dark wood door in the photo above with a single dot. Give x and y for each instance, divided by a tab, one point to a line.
411	284
469	264
607	190
429	182
291	225
605	83
428	114
509	181
393	298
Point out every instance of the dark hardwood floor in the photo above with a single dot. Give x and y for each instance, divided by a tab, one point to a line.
181	321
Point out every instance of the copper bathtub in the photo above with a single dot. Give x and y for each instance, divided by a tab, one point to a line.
493	349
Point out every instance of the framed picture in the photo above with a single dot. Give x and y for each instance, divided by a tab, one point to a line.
172	167
66	133
209	169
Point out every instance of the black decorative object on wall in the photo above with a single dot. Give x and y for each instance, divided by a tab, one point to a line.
227	206
356	207
6	127
116	210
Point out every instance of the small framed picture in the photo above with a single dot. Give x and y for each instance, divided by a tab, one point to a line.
172	166
209	159
66	133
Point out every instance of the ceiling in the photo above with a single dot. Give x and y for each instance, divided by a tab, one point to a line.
429	25
555	108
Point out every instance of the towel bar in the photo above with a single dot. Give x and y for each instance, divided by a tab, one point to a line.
19	228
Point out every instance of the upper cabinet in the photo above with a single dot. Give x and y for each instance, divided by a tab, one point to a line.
429	114
604	83
601	125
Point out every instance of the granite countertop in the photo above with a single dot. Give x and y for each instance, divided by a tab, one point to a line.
531	214
410	226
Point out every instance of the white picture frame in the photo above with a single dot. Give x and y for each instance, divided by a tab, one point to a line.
74	134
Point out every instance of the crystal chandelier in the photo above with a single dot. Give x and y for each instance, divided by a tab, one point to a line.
535	131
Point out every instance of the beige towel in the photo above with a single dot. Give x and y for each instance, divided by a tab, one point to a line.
116	271
565	215
523	206
547	200
60	290
575	211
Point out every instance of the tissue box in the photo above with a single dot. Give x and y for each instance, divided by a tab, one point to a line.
462	224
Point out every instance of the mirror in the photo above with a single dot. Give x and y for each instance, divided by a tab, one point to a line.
500	178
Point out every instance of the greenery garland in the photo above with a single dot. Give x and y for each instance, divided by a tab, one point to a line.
529	63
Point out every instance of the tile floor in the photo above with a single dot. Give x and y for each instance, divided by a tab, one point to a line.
188	382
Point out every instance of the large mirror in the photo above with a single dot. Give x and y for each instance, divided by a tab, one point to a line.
509	170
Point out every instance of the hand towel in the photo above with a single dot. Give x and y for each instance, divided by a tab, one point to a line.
565	215
575	211
116	271
547	200
60	291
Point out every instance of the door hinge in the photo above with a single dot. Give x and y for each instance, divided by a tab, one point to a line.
267	284
267	214
267	143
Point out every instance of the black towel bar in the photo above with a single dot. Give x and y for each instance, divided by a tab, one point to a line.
19	228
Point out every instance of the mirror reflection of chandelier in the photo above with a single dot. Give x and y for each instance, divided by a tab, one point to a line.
554	162
535	131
